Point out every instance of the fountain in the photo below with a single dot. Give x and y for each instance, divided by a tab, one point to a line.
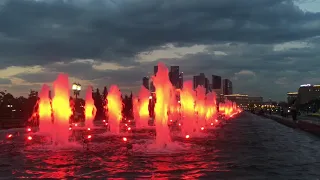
45	111
90	108
142	120
163	86
173	106
187	99
200	107
210	103
61	109
114	109
188	113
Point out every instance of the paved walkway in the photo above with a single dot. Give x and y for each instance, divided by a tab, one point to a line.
306	123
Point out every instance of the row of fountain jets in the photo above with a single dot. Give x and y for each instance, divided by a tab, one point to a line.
194	109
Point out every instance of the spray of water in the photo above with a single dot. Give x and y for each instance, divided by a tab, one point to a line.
187	98
114	109
211	113
90	108
61	109
163	86
144	95
45	111
200	107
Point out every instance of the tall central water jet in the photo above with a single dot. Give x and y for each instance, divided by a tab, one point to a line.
163	86
61	108
114	109
187	98
90	108
45	110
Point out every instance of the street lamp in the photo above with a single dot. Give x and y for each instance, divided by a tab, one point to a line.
76	87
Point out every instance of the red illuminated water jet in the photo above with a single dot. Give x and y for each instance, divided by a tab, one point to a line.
187	100
174	106
45	110
200	107
114	109
90	109
61	108
142	108
163	86
211	105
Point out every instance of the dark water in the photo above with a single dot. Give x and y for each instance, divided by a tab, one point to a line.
248	147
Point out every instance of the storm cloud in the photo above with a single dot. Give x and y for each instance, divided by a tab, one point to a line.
239	36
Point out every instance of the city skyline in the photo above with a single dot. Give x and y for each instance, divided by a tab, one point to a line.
263	51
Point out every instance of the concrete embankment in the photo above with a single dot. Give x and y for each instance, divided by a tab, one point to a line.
304	124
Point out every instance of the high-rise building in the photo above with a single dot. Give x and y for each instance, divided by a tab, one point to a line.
145	82
206	84
174	76
199	80
216	85
227	87
216	82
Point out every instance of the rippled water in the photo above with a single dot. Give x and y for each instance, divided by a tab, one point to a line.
248	147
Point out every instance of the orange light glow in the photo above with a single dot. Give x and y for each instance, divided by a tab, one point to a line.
163	88
187	99
114	108
141	107
45	110
29	138
9	136
62	110
124	139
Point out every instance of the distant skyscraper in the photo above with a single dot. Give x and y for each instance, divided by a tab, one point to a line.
206	84
199	80
227	87
145	82
216	82
174	76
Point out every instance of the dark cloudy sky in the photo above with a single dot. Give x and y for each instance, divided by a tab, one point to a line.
267	47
